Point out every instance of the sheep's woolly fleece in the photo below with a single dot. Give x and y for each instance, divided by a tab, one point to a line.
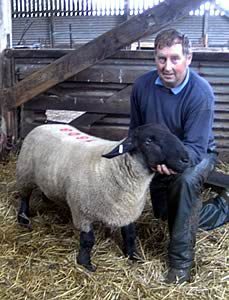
40	264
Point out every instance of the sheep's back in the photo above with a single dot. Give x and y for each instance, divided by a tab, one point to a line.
53	154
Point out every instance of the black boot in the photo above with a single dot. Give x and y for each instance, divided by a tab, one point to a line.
215	211
178	275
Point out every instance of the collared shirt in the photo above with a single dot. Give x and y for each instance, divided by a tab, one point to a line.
178	88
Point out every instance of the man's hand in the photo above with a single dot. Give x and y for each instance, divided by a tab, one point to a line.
164	170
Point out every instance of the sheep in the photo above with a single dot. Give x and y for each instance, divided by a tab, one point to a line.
100	180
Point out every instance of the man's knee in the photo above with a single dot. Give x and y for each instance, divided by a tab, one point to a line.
189	180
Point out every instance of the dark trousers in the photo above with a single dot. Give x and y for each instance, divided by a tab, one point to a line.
176	198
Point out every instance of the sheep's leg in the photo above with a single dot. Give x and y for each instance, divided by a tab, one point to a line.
87	240
23	212
129	245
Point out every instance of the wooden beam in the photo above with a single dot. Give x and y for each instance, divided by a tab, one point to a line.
205	28
151	21
86	120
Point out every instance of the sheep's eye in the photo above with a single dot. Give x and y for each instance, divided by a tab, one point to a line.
148	141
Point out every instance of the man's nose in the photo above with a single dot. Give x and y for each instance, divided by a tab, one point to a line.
168	65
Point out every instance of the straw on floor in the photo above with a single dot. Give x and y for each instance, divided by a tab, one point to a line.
41	263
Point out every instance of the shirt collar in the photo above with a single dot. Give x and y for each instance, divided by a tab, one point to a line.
178	88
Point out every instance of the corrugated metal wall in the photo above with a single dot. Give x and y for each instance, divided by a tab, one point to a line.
44	29
191	25
86	28
30	31
218	30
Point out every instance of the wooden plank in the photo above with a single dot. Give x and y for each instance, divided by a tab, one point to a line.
151	21
122	95
99	73
200	57
222	100
87	119
221	126
114	120
69	86
221	116
125	70
120	74
94	101
89	104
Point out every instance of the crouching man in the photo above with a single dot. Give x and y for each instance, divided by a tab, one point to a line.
176	96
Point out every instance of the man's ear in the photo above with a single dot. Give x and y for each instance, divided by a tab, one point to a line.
189	58
126	146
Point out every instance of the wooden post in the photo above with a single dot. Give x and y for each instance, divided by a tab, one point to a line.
127	9
205	29
5	78
51	30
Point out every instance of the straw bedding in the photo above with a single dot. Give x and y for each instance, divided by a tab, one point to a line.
41	263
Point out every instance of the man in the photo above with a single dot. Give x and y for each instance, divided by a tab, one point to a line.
179	98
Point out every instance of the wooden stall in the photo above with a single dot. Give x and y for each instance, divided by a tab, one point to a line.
97	80
103	90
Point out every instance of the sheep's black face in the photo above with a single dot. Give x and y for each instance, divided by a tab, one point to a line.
159	146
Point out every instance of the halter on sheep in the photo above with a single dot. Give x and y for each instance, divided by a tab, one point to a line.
68	165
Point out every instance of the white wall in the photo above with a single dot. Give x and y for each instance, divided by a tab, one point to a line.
5	24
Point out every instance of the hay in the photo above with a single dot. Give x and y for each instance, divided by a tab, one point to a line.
41	263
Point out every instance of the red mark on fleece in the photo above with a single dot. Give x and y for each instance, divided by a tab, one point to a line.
65	129
73	133
76	134
82	137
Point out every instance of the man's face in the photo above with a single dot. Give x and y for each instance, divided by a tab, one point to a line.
172	65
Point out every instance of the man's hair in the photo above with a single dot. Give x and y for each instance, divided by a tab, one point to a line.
169	37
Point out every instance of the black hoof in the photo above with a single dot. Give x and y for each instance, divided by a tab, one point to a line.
90	268
23	220
134	257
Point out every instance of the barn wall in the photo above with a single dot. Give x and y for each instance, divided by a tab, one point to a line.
95	90
56	31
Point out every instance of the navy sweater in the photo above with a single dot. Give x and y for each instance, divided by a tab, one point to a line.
188	114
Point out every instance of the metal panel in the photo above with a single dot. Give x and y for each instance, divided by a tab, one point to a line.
31	31
191	25
218	31
84	28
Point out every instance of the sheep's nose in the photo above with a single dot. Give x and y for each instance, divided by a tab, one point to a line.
185	160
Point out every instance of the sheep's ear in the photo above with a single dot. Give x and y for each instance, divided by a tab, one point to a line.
126	146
